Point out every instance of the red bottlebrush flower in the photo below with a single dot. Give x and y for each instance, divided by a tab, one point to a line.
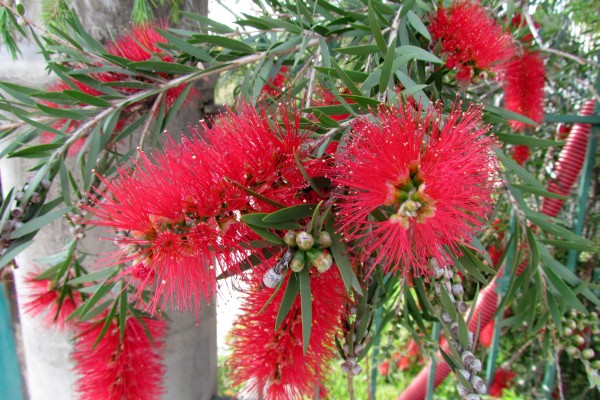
524	78
142	45
384	368
430	180
250	148
166	211
486	335
520	23
470	39
495	253
117	370
326	98
274	86
520	154
502	380
272	362
44	297
403	363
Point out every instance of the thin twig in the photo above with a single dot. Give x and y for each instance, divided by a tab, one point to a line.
311	80
151	115
532	28
391	42
564	54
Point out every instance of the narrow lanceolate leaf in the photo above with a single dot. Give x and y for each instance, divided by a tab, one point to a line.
293	213
94	276
289	296
528	140
257	219
37	223
87	98
225	42
186	46
376	29
340	255
266	234
161	66
416	23
306	305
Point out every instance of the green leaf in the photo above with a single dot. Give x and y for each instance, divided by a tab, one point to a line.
564	291
208	23
67	113
340	255
162	66
515	168
538	191
266	234
307	177
376	29
289	297
122	310
87	306
87	98
408	52
257	219
447	303
529	141
186	46
94	276
293	213
225	42
306	306
362	50
419	26
349	83
38	222
38	151
508	115
14	249
386	69
572	245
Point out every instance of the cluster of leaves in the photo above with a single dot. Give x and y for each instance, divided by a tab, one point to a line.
360	52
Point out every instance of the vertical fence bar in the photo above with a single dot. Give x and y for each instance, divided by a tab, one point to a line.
11	386
435	335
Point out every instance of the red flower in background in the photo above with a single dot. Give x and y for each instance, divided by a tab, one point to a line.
274	87
116	370
430	179
486	335
502	380
44	298
520	23
470	39
272	362
520	154
524	78
324	97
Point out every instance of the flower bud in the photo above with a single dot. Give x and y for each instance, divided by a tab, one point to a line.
462	307
457	289
345	367
446	318
587	354
298	261
579	340
324	240
567	331
467	358
323	262
596	364
351	360
357	369
476	366
271	278
462	391
478	385
46	184
465	373
454	328
439	272
358	349
19	196
17	212
290	238
35	197
572	350
305	240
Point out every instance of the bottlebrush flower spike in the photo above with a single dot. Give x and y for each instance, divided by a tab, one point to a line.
142	45
523	81
502	380
470	39
166	212
119	370
254	150
430	178
520	154
273	363
44	298
274	87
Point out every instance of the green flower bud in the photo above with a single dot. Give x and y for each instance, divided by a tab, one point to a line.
298	261
567	331
579	340
596	364
588	354
572	351
324	240
305	240
290	238
312	255
323	262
